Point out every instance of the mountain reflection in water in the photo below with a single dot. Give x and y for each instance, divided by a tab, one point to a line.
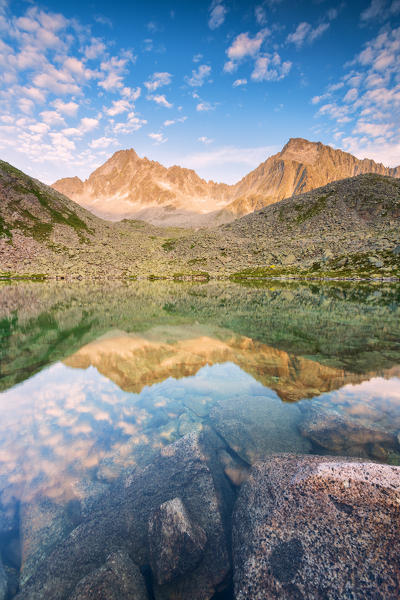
96	381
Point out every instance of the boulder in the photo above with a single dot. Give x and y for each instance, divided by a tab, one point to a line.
338	433
118	579
256	426
46	522
188	469
176	542
315	527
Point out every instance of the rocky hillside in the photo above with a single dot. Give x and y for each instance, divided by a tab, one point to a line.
347	228
129	186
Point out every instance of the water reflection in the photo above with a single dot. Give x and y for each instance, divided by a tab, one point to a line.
96	381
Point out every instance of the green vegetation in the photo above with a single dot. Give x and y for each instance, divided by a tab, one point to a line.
4	230
306	212
169	244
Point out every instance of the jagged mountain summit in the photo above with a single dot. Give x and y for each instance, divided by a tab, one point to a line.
128	186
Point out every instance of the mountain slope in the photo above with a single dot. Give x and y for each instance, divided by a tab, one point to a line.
352	223
129	186
301	166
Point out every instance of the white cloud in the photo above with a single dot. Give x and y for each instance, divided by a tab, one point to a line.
199	76
52	117
351	95
197	58
270	68
373	11
133	123
67	108
170	122
217	14
249	157
26	105
205	106
88	124
158	80
161	100
306	34
205	140
158	137
95	49
239	82
260	14
40	128
118	107
103	142
244	46
373	130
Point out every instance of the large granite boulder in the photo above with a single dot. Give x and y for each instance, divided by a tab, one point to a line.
176	542
256	426
189	470
118	579
315	527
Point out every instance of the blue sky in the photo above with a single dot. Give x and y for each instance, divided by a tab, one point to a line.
216	86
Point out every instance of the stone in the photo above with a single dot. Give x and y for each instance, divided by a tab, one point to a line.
45	522
338	433
255	426
327	255
235	468
3	582
396	251
176	542
118	579
375	262
188	469
315	527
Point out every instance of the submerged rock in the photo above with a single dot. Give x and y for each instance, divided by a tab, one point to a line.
176	542
3	582
118	579
317	527
340	434
256	426
188	469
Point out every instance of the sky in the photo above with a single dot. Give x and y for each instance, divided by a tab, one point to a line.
216	86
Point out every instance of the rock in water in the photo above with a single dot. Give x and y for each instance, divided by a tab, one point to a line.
118	579
188	469
3	582
176	543
316	527
338	433
255	427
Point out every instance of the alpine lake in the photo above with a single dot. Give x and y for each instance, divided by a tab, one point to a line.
97	378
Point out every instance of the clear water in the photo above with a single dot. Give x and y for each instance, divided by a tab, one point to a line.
95	379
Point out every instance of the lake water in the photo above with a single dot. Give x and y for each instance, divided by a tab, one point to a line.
96	378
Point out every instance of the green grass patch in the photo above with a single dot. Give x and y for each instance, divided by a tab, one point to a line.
169	244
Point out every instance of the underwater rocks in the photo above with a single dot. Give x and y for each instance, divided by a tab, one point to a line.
256	426
340	434
176	542
189	470
316	527
3	582
118	579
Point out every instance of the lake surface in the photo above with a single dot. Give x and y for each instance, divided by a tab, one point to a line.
95	379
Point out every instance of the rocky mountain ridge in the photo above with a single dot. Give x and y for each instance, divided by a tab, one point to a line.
347	228
127	186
